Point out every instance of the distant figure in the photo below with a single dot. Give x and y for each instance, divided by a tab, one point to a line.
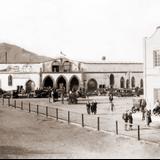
88	105
143	105
110	97
112	106
148	118
125	118
130	118
95	107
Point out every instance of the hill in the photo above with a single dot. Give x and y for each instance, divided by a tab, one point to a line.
17	55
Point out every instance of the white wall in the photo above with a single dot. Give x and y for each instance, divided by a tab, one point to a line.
18	80
152	74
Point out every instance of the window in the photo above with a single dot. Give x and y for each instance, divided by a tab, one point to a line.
133	82
67	66
55	67
10	80
122	82
156	58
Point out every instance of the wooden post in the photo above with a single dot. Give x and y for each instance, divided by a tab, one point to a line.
8	102
46	111
82	120
21	105
29	105
68	117
139	136
116	127
37	109
15	104
3	101
57	114
98	123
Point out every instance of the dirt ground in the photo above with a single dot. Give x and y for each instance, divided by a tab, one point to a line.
24	135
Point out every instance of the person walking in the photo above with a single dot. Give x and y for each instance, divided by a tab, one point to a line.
125	118
130	118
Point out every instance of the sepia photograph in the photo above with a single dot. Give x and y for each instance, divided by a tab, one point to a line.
79	79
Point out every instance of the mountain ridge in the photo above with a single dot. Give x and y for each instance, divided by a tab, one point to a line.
14	54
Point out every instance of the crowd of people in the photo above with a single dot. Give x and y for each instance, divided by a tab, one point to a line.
146	115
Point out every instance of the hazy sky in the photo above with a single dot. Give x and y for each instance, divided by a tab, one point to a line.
82	29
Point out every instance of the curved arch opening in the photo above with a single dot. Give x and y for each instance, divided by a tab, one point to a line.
48	82
30	86
92	85
122	83
74	84
111	80
61	83
133	84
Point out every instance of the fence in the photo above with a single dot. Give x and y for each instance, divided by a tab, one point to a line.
98	123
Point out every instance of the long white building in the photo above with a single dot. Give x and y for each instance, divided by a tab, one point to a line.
61	71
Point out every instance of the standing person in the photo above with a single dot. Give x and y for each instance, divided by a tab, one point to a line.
130	118
110	97
148	117
88	105
95	107
125	118
53	95
112	106
92	107
143	105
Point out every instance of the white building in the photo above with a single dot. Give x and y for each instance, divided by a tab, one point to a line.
152	68
29	71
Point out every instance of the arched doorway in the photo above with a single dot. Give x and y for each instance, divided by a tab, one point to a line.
92	85
127	84
48	82
111	80
122	82
133	82
141	83
74	83
61	82
30	86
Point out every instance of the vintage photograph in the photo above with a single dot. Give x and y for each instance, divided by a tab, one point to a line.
79	79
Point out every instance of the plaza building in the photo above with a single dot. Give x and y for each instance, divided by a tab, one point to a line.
57	72
152	68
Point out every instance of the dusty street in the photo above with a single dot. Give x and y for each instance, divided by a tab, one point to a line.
107	118
24	135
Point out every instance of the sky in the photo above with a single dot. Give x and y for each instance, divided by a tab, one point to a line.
81	29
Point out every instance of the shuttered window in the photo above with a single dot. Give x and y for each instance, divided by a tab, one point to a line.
156	58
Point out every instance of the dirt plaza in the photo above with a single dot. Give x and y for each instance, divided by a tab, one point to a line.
24	133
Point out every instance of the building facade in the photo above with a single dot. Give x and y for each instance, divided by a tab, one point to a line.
63	72
152	68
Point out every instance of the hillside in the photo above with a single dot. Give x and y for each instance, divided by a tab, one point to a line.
16	54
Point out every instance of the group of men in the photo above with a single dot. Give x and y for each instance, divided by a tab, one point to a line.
91	108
